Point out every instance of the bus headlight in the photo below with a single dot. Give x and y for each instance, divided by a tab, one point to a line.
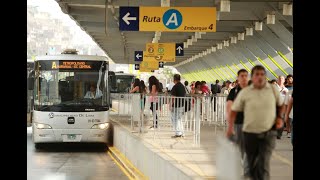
42	126
100	126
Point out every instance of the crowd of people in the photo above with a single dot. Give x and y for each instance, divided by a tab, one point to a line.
257	114
258	111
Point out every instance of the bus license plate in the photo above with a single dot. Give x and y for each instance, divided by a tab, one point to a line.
71	136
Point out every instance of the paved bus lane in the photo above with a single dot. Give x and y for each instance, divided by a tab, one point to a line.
78	162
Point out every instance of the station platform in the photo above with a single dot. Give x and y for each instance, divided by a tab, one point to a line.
158	156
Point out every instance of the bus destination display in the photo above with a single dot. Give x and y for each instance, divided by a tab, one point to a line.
71	65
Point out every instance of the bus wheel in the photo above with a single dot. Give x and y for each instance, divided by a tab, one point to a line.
38	146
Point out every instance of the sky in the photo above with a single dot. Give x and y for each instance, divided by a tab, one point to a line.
52	7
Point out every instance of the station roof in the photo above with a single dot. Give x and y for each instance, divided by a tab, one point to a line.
91	16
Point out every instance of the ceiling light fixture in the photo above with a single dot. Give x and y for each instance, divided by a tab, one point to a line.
225	5
233	40
271	18
226	43
249	31
287	9
258	26
240	36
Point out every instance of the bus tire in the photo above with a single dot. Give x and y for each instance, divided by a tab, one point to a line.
38	146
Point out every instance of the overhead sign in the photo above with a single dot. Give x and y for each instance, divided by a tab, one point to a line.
179	49
138	55
146	70
149	64
164	52
180	19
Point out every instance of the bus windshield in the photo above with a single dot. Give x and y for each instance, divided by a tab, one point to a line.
71	90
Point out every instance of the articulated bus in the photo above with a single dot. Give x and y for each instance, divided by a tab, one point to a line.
121	83
30	74
71	99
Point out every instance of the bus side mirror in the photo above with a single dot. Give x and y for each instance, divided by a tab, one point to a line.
30	83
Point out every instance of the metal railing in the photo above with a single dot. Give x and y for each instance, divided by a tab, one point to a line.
214	109
174	114
182	115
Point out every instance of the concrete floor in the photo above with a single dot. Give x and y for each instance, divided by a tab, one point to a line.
70	162
202	159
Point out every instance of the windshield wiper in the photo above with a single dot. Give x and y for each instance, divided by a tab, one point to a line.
44	107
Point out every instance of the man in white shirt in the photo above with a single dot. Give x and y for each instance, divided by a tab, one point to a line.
170	86
283	91
280	84
227	88
289	115
262	108
188	88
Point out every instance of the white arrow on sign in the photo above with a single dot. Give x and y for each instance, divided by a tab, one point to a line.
179	49
127	19
138	56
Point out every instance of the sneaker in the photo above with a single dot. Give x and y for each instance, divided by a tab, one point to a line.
289	135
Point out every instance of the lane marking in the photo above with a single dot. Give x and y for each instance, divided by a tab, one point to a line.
195	169
121	167
122	157
282	159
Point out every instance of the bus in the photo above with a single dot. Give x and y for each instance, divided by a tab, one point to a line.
71	99
30	74
123	82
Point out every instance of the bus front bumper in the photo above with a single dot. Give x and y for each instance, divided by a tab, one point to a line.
70	135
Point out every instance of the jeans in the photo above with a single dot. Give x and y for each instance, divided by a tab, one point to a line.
176	120
279	131
239	140
154	108
258	148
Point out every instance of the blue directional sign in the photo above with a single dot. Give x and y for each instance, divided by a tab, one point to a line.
179	49
161	64
129	19
138	55
136	66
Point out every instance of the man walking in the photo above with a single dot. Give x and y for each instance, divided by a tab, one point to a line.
261	105
177	106
215	89
242	83
283	91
